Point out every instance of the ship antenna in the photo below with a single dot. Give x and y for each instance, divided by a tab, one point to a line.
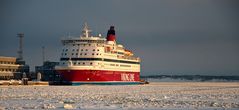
86	31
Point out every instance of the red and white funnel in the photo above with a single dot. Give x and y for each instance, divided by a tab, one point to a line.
111	34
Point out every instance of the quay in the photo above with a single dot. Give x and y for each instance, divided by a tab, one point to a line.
19	82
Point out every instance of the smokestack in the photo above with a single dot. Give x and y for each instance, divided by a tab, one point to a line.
20	51
43	55
111	34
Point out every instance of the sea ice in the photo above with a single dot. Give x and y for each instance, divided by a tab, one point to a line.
160	95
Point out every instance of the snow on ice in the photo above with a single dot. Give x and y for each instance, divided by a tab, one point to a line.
160	95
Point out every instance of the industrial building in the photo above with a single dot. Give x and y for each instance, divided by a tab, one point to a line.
48	72
10	68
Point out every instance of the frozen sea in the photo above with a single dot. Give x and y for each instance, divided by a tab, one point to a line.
156	95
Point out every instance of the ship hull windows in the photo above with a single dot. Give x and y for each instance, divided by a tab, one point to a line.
99	59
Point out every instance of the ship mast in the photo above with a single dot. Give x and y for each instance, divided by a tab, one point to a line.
86	31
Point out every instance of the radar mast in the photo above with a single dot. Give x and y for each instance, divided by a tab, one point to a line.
86	31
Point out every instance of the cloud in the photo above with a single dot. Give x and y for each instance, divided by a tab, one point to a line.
178	36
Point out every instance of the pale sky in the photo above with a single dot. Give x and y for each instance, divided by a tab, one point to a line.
170	36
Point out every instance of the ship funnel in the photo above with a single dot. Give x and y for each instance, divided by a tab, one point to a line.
111	34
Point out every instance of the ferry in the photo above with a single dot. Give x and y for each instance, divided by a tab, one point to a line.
96	59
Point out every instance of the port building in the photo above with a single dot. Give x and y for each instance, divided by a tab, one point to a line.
47	71
11	69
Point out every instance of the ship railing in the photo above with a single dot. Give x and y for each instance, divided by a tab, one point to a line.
129	58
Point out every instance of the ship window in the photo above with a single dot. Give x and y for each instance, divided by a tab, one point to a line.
78	44
76	53
98	50
72	54
90	63
77	50
93	54
97	54
73	49
83	44
65	53
74	63
80	53
93	49
73	44
85	53
83	63
78	63
89	44
66	50
86	49
81	49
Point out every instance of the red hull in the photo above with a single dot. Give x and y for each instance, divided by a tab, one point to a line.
99	76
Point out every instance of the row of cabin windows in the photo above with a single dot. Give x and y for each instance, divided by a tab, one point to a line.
79	44
84	44
120	65
9	70
78	50
81	54
83	63
79	63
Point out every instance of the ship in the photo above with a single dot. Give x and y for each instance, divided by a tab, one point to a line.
87	59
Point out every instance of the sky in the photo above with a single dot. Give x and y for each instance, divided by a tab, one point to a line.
170	36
